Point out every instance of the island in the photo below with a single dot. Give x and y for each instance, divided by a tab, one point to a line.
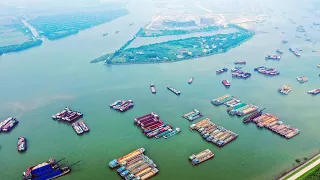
177	50
62	25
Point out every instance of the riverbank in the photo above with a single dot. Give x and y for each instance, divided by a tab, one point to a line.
303	168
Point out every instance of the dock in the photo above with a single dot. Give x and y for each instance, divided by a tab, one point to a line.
67	115
152	127
122	105
8	124
213	133
193	115
80	127
201	157
135	165
175	91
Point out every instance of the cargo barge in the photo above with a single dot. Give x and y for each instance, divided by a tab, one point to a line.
220	71
220	100
193	115
286	89
153	89
201	157
151	126
236	68
135	165
67	115
213	133
240	74
22	144
80	127
170	88
272	123
267	71
279	51
122	105
314	91
8	124
226	83
191	80
46	171
294	52
302	79
252	116
273	57
240	62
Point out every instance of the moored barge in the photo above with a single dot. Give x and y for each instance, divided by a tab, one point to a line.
67	115
226	83
190	80
201	157
175	91
193	115
80	127
8	124
22	144
314	91
240	62
122	105
153	89
220	71
294	52
273	57
302	79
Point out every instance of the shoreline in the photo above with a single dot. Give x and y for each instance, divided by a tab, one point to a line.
292	171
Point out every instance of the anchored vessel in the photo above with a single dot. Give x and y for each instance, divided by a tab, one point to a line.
314	91
285	89
8	124
220	71
175	91
22	144
240	62
273	57
240	74
214	133
151	126
135	165
226	83
235	69
153	89
302	79
201	157
122	105
279	51
193	115
267	71
67	115
46	171
190	80
80	127
294	52
252	116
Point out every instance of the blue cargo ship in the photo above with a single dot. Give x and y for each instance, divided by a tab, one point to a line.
45	171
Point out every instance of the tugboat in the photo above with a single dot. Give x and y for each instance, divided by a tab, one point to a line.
22	144
252	116
220	71
226	83
285	89
47	170
153	89
191	80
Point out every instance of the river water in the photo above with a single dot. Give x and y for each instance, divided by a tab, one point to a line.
39	82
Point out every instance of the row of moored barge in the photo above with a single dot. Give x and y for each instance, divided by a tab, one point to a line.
135	165
267	71
67	115
273	57
80	127
8	124
295	52
122	105
199	158
240	62
222	70
172	89
235	106
314	91
214	133
272	123
302	79
193	115
152	126
240	74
